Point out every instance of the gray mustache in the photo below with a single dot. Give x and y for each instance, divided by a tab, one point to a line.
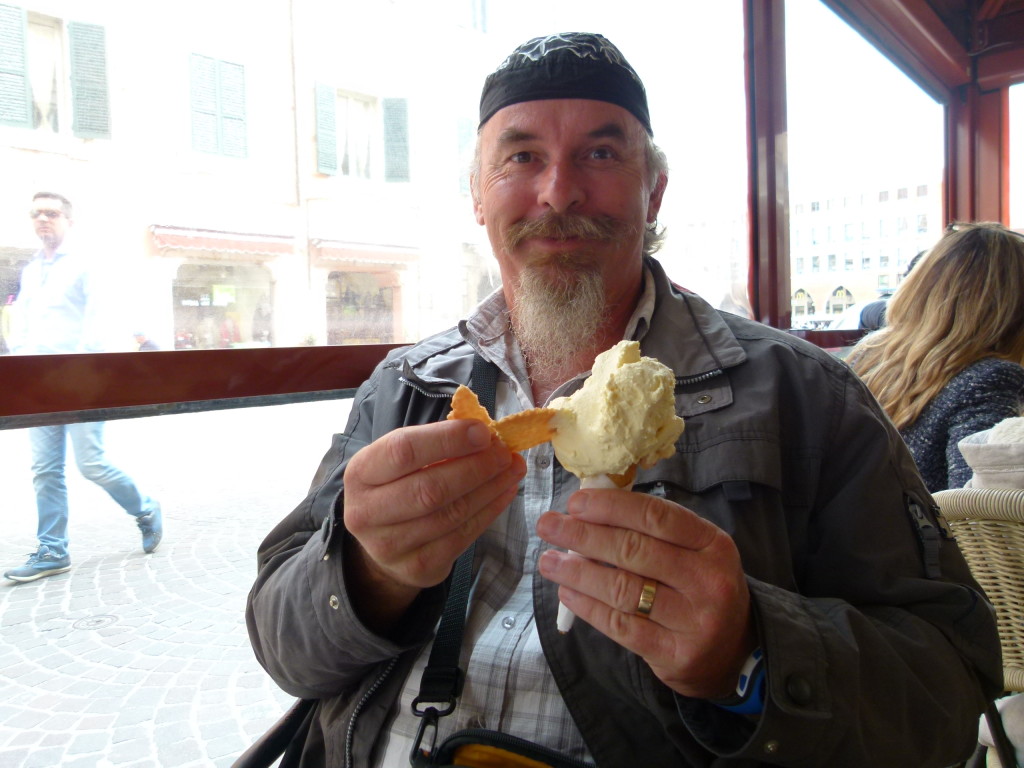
560	226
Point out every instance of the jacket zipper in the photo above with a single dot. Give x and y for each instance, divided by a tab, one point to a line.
350	732
699	378
423	391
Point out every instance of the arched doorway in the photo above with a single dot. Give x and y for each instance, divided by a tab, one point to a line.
839	301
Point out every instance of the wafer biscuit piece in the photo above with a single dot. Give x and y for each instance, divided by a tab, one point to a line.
626	478
526	429
518	431
466	405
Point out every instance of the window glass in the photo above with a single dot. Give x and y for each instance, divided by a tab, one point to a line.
863	132
135	659
249	185
1017	156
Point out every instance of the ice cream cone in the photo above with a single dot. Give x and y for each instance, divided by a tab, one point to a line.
623	482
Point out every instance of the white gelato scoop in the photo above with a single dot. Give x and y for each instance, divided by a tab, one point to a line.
623	415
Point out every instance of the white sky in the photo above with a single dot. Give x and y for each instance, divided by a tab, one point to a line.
853	115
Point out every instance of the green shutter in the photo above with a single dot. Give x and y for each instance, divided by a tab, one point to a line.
15	96
218	107
231	82
205	136
396	140
326	129
89	93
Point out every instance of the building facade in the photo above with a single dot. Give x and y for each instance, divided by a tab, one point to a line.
255	178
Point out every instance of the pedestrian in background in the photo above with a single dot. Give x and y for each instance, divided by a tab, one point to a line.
60	309
145	344
872	317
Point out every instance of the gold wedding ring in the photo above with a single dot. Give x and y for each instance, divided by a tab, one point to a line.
643	608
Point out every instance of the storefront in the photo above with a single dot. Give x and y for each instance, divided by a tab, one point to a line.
219	306
223	288
361	307
363	290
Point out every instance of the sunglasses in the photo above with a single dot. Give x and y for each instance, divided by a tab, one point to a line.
50	214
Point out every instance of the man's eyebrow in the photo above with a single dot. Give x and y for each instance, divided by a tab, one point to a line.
608	131
514	136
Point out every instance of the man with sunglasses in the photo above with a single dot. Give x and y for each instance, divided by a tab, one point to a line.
59	310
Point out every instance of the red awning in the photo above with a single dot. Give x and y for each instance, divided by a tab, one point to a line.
209	241
327	252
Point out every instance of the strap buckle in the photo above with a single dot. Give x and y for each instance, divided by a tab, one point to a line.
430	717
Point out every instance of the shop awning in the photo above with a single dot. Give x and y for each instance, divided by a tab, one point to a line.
225	243
337	252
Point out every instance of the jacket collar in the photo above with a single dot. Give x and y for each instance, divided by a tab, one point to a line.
685	332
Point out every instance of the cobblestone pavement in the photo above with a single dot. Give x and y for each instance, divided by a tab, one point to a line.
143	660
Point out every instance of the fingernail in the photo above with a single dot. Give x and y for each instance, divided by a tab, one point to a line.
478	435
549	525
550	562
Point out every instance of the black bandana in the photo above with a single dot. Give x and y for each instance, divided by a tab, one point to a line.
571	65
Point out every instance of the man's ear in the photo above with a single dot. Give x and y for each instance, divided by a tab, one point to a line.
478	210
654	202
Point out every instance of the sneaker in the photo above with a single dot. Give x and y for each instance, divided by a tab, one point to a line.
152	527
41	563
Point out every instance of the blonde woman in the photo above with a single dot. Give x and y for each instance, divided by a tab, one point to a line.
948	362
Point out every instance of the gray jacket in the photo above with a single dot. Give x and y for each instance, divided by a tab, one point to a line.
881	649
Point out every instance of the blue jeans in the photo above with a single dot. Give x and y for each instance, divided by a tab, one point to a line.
49	448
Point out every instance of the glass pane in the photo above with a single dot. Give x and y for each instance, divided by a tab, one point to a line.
183	205
865	169
1017	157
135	659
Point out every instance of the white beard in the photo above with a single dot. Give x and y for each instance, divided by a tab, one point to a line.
557	321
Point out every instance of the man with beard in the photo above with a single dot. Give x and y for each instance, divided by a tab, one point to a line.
778	592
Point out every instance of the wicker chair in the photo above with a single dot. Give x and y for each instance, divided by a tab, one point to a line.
989	527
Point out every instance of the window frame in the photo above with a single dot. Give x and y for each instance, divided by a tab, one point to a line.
976	161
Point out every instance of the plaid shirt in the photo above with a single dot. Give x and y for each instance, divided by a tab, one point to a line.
509	687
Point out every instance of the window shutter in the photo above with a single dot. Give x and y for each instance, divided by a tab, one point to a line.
396	140
326	129
232	108
204	104
15	97
89	93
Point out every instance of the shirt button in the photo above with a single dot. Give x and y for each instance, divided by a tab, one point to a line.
704	399
771	747
334	602
543	462
508	622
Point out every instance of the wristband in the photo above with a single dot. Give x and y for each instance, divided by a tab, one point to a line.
749	696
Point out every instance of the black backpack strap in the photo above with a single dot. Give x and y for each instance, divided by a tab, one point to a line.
442	678
484	382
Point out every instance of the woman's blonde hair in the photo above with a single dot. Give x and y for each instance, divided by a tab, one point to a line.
963	302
